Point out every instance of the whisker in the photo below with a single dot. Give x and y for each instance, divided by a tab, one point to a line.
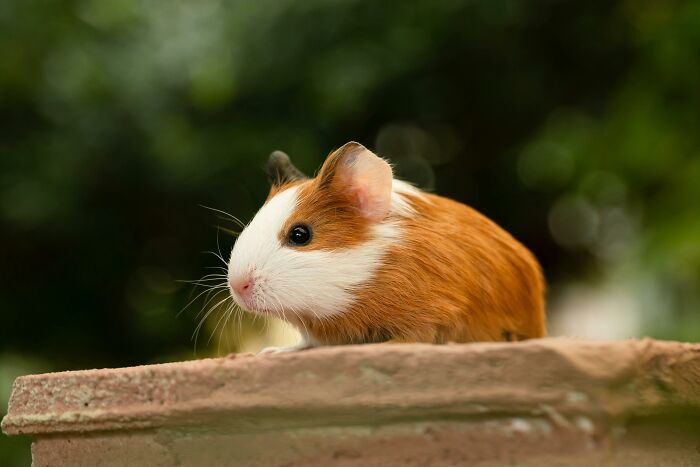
223	328
203	282
218	248
207	277
266	323
212	296
209	289
279	302
232	233
204	318
231	216
216	327
217	255
239	317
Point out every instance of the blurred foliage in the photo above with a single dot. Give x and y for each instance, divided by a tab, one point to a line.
573	125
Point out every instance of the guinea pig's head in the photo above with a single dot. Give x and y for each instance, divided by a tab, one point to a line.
315	240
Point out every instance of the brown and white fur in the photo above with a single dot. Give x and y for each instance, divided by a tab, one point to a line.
386	261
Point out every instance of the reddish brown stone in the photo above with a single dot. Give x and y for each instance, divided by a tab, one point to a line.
541	402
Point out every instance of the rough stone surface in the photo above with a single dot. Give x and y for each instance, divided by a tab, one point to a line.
541	402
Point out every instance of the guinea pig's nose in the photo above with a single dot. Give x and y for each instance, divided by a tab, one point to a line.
242	286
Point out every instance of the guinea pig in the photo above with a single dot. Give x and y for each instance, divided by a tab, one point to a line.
356	256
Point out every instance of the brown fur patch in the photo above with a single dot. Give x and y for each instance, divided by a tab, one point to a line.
276	189
325	205
455	277
329	213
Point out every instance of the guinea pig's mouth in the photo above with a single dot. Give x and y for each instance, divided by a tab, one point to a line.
250	303
249	292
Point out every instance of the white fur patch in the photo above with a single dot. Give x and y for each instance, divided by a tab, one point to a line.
399	203
317	283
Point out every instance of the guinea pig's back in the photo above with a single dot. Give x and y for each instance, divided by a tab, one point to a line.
479	281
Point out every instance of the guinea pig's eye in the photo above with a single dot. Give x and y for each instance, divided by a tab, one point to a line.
299	235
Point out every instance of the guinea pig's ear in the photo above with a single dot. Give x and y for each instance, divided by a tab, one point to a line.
366	178
280	169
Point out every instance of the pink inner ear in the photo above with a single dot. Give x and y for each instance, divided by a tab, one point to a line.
363	203
371	184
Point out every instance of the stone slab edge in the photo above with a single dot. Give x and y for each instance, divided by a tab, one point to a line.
555	377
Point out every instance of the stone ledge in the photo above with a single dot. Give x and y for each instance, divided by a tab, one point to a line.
567	376
562	391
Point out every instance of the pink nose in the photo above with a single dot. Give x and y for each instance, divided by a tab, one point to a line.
242	286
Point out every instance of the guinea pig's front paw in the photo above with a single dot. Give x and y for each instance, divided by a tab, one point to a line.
277	350
293	348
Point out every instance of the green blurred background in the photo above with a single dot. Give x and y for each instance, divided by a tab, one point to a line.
572	124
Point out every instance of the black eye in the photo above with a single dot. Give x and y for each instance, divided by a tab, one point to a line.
299	235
